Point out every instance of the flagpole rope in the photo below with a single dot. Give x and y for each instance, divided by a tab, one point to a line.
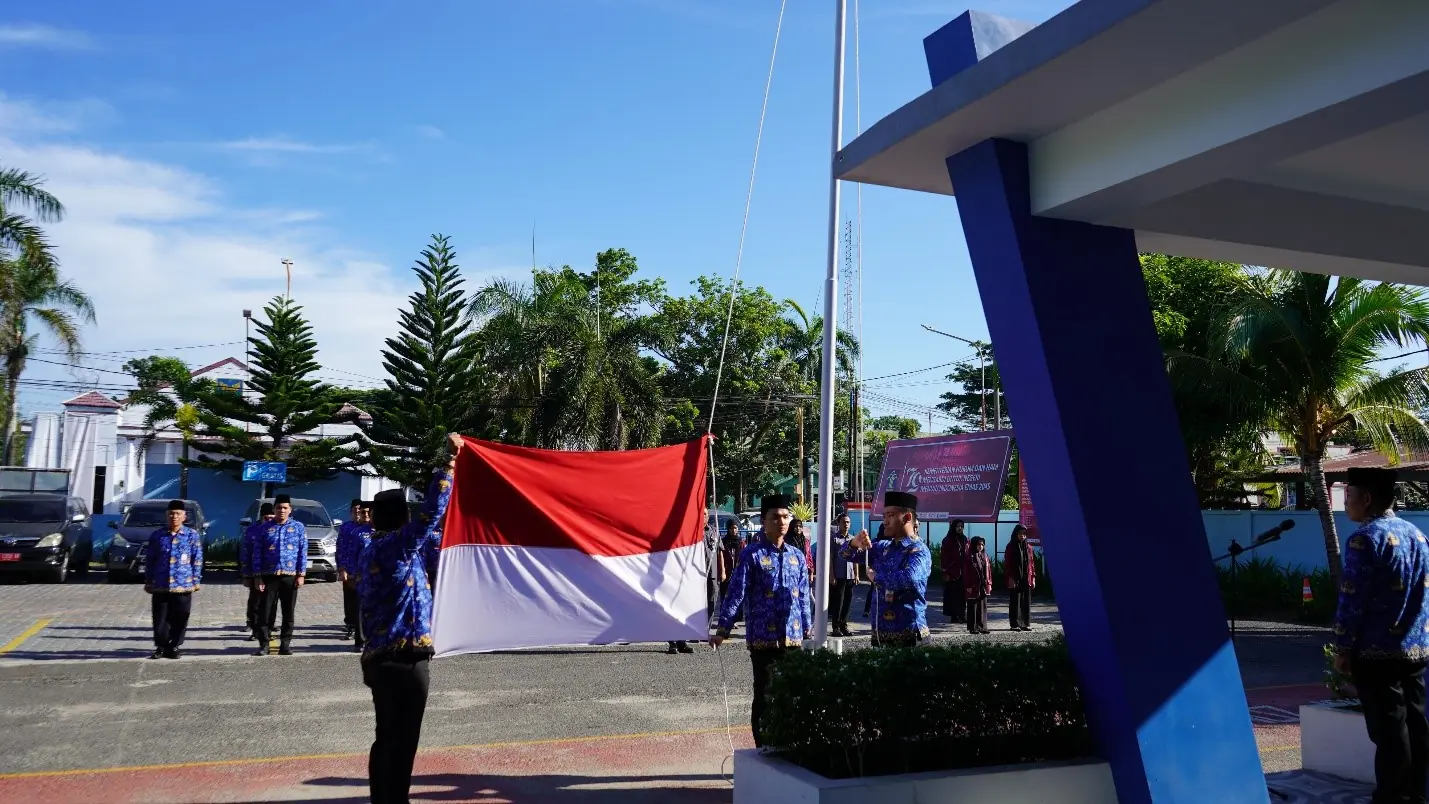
719	377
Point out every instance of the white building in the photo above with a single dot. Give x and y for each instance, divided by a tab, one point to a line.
101	441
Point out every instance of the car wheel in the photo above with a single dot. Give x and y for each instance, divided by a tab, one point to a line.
60	573
117	576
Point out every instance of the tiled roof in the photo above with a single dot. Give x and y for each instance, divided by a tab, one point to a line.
93	399
1366	459
350	411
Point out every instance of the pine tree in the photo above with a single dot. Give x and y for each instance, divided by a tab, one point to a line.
433	374
282	401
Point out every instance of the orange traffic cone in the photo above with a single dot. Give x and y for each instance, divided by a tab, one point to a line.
1305	594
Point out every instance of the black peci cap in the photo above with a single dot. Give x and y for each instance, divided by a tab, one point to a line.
900	499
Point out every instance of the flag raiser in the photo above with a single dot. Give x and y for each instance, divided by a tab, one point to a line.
546	547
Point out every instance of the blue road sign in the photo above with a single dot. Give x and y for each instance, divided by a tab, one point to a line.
265	471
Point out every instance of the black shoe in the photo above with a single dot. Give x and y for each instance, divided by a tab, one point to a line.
671	649
984	631
172	653
285	651
157	654
357	648
347	633
263	651
684	647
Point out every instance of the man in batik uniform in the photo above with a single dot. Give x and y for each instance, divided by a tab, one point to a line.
1382	633
171	576
771	581
396	604
899	567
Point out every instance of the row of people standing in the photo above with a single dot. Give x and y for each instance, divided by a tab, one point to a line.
967	578
770	581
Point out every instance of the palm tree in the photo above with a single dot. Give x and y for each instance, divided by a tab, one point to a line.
32	291
171	393
575	369
31	288
804	343
1296	351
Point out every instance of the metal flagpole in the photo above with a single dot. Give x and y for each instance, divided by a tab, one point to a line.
826	380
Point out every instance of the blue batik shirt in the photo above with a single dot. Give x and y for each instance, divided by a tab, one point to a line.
1381	614
245	546
394	587
175	561
280	549
773	586
351	538
900	597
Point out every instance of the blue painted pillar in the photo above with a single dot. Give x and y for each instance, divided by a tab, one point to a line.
1086	384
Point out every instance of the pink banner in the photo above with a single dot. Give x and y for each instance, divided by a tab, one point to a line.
955	477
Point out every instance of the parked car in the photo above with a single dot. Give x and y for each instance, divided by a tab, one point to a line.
127	552
322	534
45	536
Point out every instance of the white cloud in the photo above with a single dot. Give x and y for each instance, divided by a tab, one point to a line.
284	145
430	132
168	263
43	36
22	117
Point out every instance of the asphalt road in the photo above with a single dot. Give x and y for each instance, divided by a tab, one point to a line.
76	692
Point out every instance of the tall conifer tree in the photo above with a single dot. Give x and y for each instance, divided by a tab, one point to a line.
433	375
281	402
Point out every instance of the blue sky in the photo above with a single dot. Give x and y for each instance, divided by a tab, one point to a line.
197	144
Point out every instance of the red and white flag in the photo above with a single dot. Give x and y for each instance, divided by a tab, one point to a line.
544	547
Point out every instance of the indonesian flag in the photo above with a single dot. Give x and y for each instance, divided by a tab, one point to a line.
543	547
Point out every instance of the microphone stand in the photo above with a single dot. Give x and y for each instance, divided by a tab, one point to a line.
1233	553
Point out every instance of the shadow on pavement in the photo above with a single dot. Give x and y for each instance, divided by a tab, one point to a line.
542	788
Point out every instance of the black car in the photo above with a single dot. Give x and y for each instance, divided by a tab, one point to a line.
132	531
45	536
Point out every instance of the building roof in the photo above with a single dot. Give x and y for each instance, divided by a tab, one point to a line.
350	411
93	399
1289	133
1409	463
227	361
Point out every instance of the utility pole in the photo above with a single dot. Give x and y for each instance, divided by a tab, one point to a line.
803	475
982	362
288	266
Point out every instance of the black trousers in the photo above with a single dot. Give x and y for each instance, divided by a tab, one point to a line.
279	590
352	610
976	614
840	599
255	609
763	660
1019	607
868	600
399	695
954	606
1392	693
171	618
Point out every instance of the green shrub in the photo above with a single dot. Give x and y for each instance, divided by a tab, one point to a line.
1266	588
899	710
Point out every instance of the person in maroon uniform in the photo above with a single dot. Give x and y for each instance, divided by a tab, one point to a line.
1021	573
977	584
954	552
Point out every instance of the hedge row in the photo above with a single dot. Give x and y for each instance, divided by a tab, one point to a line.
885	711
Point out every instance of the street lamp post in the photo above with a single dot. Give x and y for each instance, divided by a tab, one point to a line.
982	364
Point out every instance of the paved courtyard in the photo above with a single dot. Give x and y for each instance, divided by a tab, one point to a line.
84	716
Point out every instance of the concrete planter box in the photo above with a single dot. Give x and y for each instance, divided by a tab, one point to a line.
1333	740
760	779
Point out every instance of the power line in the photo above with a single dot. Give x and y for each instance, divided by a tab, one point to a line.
151	351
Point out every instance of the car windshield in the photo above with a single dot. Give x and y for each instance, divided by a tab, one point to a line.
312	517
153	516
32	510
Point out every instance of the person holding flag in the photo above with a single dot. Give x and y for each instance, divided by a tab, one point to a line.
771	582
396	608
899	568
